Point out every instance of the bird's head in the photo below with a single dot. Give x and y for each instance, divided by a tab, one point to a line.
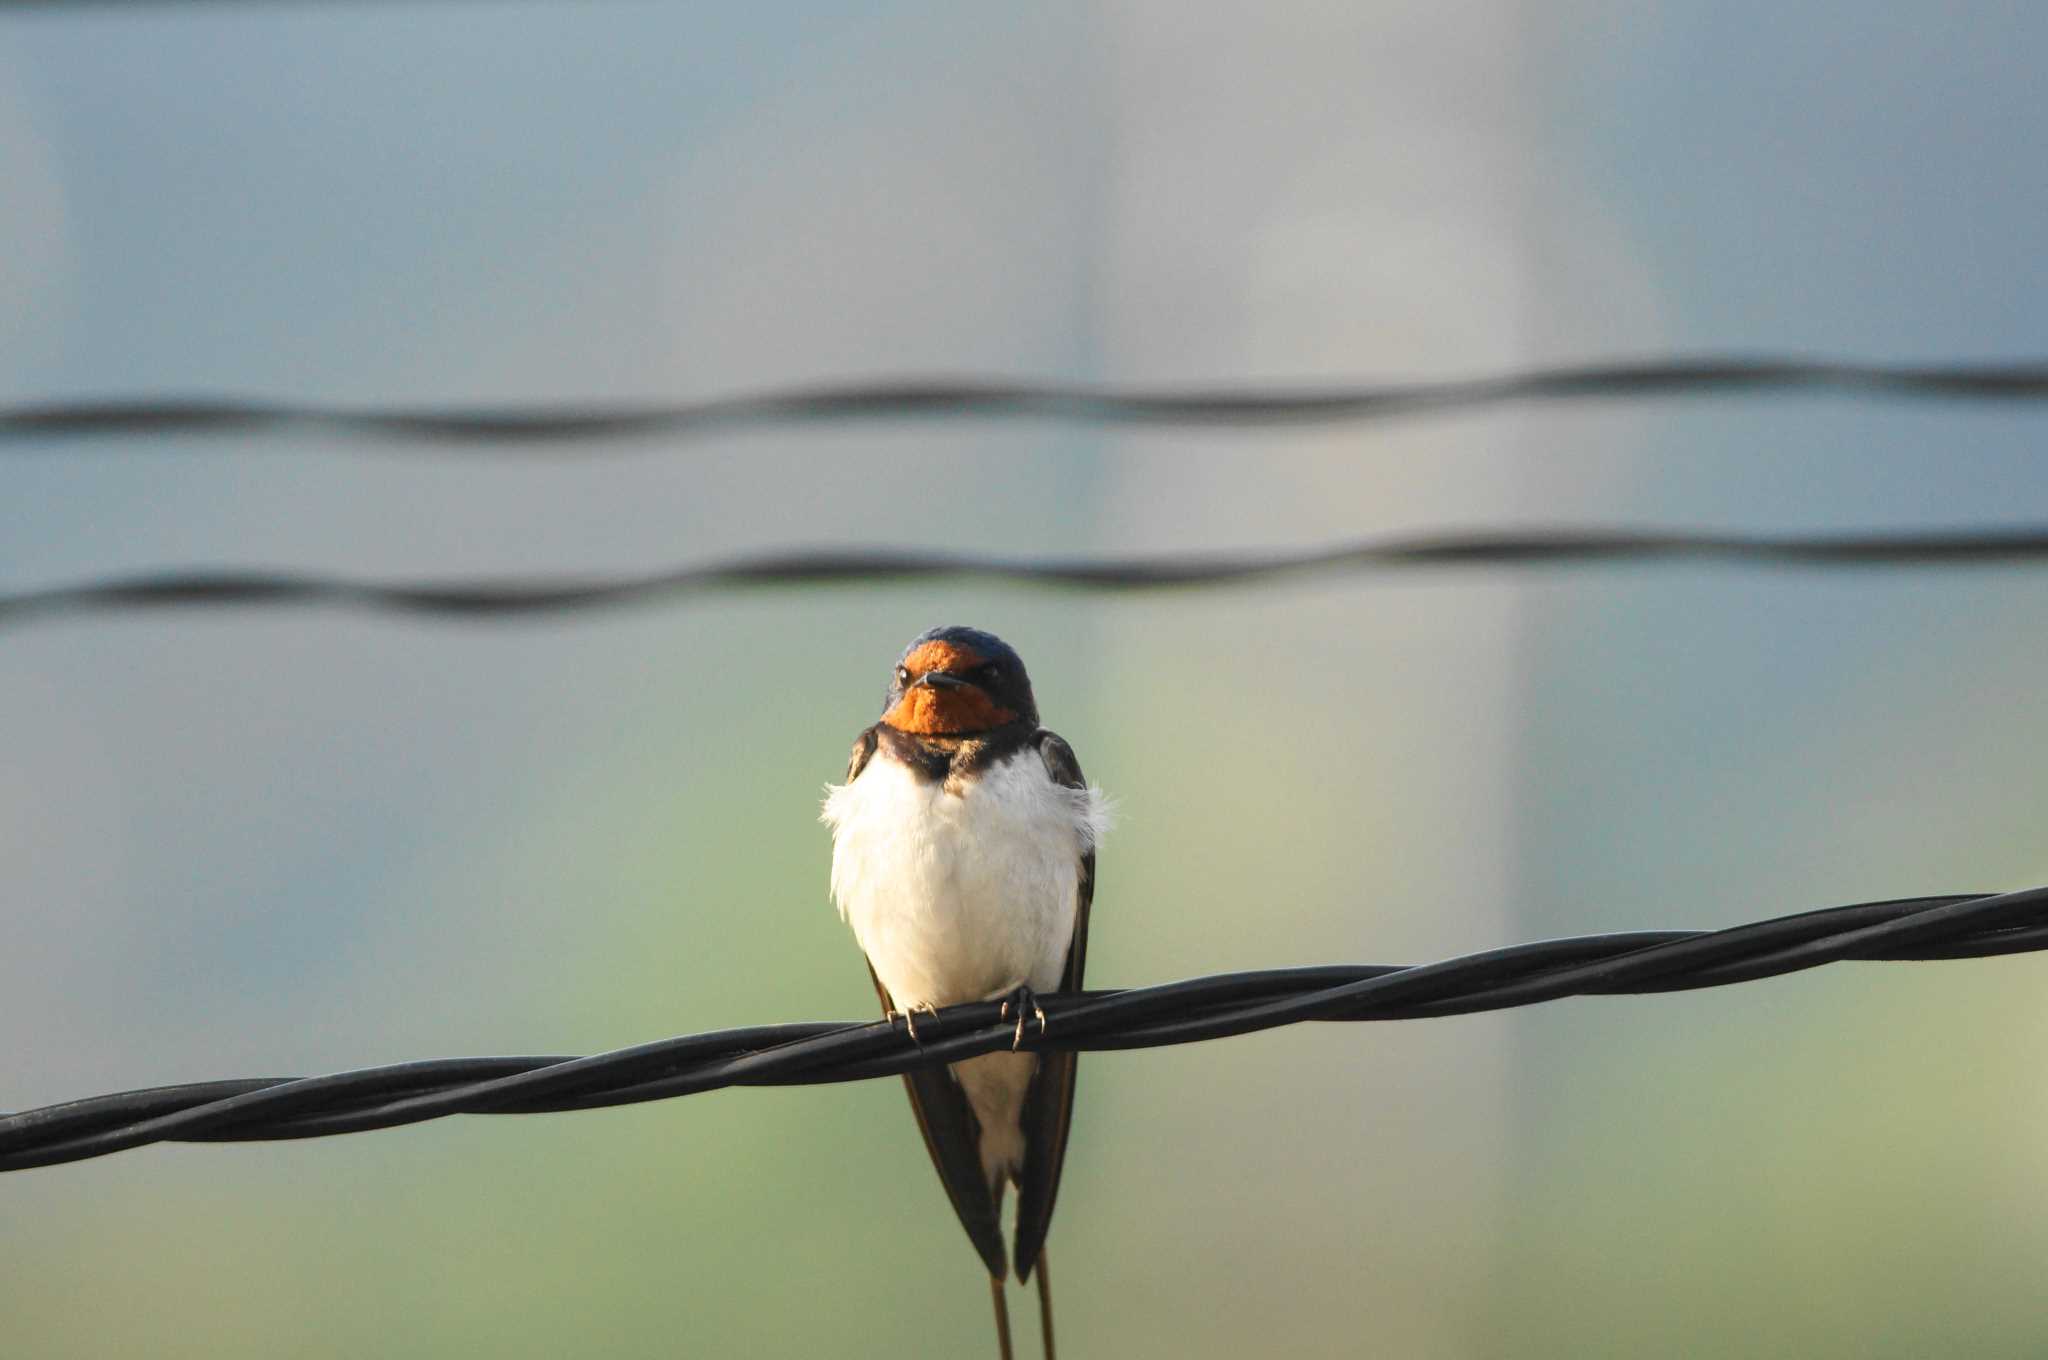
958	682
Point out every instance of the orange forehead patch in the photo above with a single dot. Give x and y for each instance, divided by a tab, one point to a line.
942	656
946	712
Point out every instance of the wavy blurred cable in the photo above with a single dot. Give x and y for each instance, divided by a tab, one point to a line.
498	428
1638	962
514	597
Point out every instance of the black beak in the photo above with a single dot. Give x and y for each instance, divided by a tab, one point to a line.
941	680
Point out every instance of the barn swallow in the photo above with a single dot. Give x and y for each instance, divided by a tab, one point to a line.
963	856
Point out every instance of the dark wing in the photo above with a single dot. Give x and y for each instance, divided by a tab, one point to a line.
952	1136
863	750
1049	1107
951	1133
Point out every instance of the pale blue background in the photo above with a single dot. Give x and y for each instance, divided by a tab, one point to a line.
252	843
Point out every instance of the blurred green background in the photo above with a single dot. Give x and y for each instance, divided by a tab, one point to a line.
268	843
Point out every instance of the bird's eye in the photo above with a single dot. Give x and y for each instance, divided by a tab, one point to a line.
903	675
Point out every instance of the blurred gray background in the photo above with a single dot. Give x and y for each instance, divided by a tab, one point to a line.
276	843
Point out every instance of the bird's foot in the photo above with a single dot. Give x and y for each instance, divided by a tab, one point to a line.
1024	1002
909	1019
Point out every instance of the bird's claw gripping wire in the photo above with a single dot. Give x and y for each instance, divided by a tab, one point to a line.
1025	1002
909	1019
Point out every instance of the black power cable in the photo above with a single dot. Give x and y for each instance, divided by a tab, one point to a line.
994	399
511	597
269	1108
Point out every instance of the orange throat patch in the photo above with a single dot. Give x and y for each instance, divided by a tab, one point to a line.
946	712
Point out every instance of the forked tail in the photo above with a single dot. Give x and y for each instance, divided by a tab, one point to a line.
995	1291
1045	1305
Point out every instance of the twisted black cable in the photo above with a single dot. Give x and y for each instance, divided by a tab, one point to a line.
803	567
995	399
1637	962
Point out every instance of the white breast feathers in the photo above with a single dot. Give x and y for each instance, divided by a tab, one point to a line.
965	896
961	896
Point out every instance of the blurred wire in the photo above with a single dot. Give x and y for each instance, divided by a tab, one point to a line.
265	1108
901	398
813	566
